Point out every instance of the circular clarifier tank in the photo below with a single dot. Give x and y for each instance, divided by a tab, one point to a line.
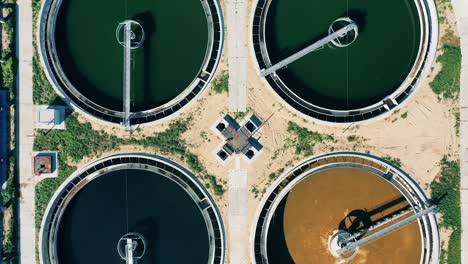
149	203
377	68
339	195
84	55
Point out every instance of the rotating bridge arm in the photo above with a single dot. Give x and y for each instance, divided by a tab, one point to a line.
127	74
130	40
129	251
331	37
351	245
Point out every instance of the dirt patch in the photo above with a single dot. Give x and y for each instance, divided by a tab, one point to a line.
7	214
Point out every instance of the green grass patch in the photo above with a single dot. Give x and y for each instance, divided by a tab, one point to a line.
447	81
168	141
8	74
194	163
47	187
10	64
302	140
218	189
240	115
305	140
394	161
79	140
221	84
274	175
9	193
43	92
10	196
36	8
446	189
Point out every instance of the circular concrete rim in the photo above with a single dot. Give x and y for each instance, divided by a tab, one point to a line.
410	189
192	186
377	111
168	111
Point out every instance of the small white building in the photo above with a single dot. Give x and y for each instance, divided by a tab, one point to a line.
50	117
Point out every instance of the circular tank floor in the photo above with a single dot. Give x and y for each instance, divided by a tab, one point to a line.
344	78
158	208
331	200
169	60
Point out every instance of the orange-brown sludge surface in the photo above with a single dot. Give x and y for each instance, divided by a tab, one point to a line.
346	198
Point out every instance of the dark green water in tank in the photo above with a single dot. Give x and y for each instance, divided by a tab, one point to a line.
344	78
170	59
158	209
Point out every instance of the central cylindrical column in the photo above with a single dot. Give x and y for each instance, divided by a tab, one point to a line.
131	247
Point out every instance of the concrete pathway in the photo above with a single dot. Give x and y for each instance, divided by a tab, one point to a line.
237	53
461	11
237	215
25	134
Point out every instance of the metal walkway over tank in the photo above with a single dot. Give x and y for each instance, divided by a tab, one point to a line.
353	242
331	37
132	37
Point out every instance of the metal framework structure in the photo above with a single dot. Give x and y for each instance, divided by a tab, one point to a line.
130	42
131	247
127	74
354	242
330	38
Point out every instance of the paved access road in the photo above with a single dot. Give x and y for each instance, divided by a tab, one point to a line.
461	11
237	219
237	53
25	138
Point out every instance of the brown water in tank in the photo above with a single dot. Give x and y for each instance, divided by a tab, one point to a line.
316	207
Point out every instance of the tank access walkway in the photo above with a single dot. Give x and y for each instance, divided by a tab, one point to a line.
353	242
127	74
314	46
237	54
127	37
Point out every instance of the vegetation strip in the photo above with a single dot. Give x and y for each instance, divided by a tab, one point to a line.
446	192
221	84
447	82
43	92
10	191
